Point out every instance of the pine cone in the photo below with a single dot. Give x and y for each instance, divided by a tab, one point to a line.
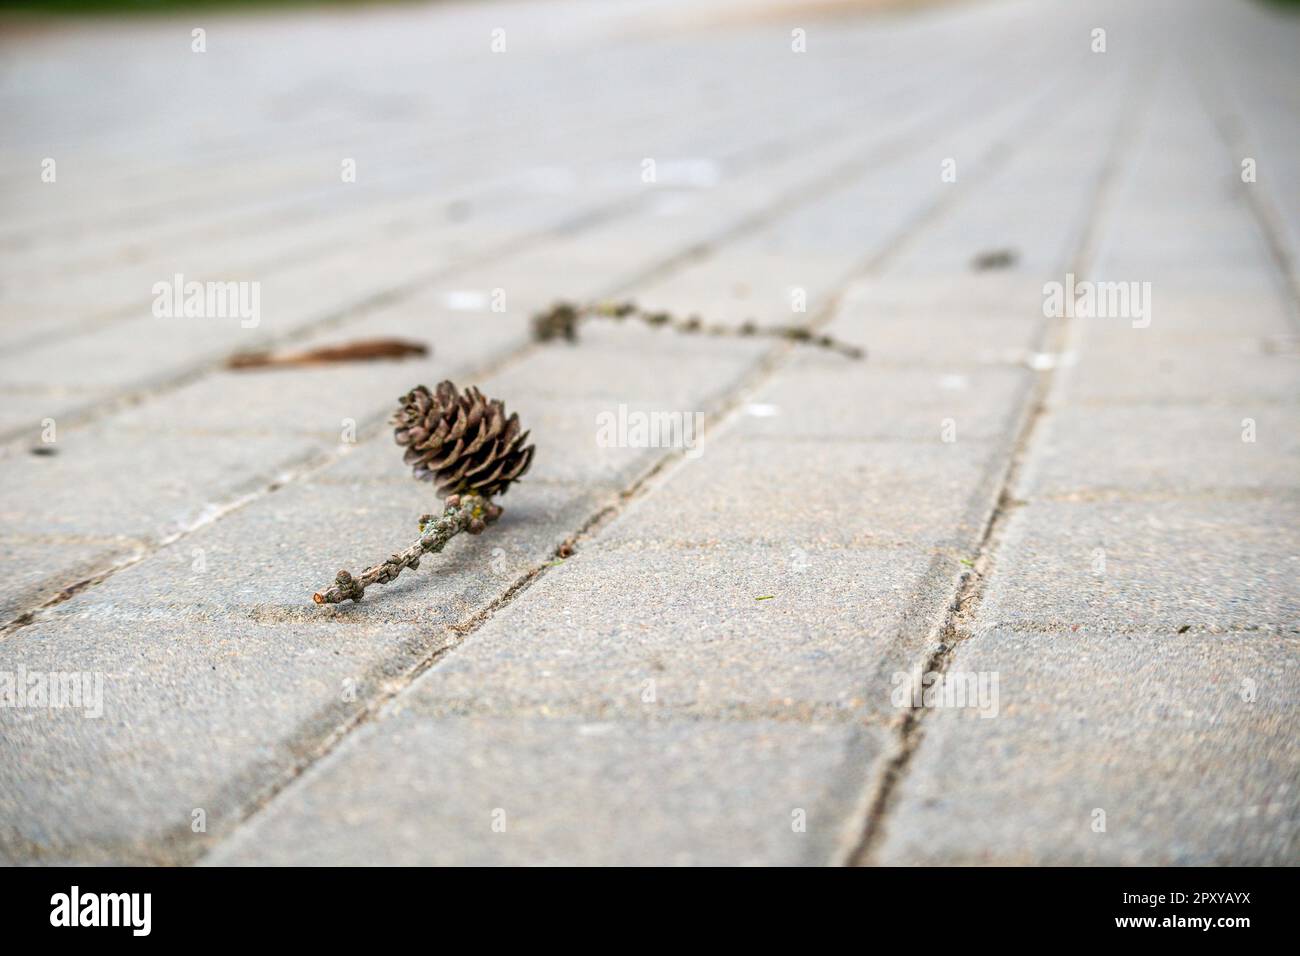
461	440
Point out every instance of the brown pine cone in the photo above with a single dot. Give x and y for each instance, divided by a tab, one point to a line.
461	440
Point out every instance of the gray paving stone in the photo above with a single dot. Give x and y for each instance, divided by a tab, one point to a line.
1195	562
828	397
412	789
786	633
195	716
964	300
1224	370
1235	318
857	494
23	412
142	483
1033	205
630	366
1012	341
988	318
1185	742
37	569
1165	449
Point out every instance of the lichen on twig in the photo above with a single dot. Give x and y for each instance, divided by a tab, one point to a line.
562	319
470	513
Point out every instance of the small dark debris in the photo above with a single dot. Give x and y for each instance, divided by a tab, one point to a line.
1280	345
45	451
994	259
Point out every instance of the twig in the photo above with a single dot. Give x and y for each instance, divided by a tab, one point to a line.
461	513
563	318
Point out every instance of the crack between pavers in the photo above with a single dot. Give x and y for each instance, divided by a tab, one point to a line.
726	406
955	627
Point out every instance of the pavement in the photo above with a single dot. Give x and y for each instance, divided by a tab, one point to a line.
1018	588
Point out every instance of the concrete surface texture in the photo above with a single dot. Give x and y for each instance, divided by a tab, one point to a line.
1020	587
